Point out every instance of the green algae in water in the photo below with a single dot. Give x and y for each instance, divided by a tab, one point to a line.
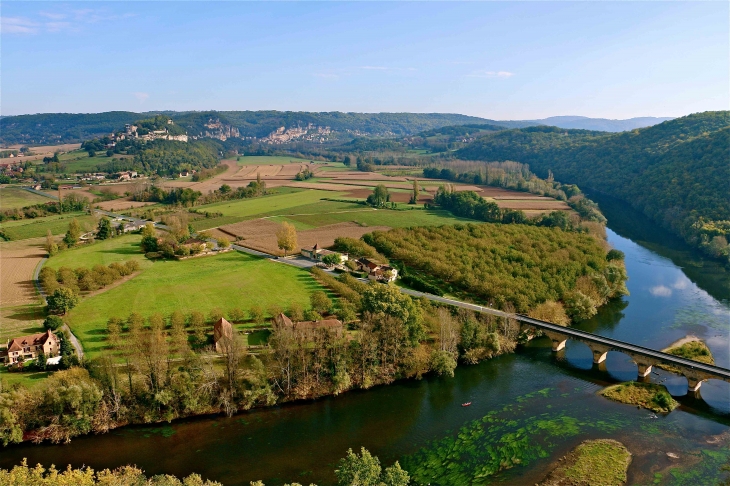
499	441
710	462
166	432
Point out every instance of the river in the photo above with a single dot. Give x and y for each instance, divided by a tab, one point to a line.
529	408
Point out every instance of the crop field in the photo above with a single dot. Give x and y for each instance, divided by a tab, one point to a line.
35	228
268	159
383	217
268	205
222	281
18	260
15	197
260	234
119	249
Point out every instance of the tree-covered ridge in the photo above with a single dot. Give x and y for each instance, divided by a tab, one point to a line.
61	127
677	172
502	265
67	127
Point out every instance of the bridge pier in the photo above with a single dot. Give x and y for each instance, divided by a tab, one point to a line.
644	369
558	340
599	352
693	384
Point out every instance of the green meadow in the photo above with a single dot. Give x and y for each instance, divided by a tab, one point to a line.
79	161
119	249
224	281
15	197
35	228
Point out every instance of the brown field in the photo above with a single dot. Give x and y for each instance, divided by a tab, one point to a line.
260	234
18	260
121	204
45	150
544	204
366	176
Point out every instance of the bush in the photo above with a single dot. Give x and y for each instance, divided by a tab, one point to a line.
52	323
443	363
615	255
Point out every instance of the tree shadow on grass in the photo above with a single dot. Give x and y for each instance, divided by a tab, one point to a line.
30	313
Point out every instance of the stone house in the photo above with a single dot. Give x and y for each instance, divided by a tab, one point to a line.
29	347
316	253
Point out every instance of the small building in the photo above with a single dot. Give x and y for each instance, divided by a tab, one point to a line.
334	325
316	253
377	271
133	226
222	334
29	347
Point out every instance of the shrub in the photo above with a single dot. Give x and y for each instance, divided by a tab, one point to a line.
52	323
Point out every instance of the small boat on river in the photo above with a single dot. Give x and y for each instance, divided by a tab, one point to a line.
467	404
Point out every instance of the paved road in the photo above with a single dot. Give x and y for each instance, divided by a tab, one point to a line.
40	193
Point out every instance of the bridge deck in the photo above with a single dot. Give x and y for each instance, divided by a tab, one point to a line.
719	372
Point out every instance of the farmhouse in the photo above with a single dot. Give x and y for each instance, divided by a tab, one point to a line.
222	334
29	347
316	253
377	271
282	321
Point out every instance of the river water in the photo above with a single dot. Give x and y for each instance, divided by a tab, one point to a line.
529	408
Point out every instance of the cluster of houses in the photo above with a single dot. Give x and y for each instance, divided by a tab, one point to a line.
24	348
130	131
126	175
374	270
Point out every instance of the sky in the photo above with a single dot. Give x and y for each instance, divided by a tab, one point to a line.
498	60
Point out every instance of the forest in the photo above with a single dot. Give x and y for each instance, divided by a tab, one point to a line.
511	266
656	169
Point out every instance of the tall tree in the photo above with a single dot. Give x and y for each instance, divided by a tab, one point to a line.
73	233
286	237
104	230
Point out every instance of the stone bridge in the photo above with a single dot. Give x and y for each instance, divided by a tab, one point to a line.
645	358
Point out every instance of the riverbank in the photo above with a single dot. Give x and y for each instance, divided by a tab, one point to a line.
601	462
647	395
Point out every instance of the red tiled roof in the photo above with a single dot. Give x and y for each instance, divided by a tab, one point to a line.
39	339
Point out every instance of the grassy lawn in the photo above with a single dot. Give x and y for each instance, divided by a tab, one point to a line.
27	379
119	249
38	227
15	197
202	284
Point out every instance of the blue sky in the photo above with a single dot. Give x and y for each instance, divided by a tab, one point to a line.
515	60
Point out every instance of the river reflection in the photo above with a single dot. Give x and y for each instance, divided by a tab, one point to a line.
412	420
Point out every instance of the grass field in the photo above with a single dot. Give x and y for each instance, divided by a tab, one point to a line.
382	217
27	379
79	161
15	197
38	227
202	284
119	249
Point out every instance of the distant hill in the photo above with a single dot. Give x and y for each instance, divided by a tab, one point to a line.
677	172
64	127
599	124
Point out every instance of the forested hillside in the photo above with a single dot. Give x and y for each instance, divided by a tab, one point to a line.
50	128
677	173
64	127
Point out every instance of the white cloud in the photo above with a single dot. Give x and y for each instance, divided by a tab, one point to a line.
17	25
45	21
374	68
53	15
660	291
490	74
141	97
680	283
